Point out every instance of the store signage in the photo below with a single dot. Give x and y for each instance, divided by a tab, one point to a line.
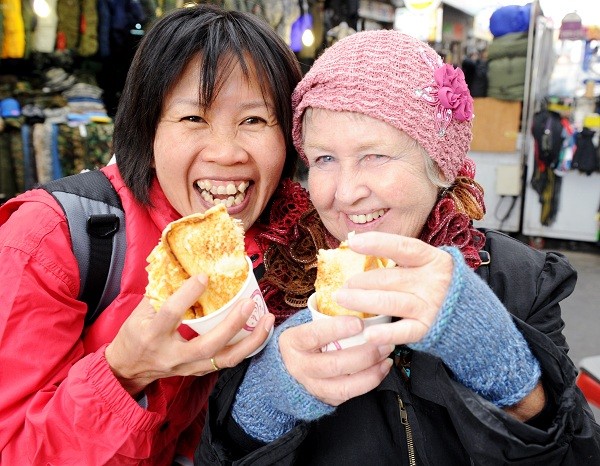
571	28
421	6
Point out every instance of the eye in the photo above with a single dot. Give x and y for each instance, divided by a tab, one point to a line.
322	161
254	120
193	119
375	159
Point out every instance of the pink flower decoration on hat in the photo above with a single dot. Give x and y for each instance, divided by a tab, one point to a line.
449	93
453	92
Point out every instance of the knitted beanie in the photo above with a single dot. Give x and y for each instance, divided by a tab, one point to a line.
398	79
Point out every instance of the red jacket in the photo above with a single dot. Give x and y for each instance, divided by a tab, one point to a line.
60	403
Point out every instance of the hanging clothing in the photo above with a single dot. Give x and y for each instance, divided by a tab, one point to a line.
44	33
585	158
13	42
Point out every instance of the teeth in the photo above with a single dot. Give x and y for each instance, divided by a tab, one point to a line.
365	218
236	194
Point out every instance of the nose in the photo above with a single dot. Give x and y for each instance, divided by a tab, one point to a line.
351	186
224	148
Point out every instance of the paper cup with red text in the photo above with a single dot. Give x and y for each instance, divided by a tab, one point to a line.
250	289
354	340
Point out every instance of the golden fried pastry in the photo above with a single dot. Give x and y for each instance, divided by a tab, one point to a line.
334	268
211	243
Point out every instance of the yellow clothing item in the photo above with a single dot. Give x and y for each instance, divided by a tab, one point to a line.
13	44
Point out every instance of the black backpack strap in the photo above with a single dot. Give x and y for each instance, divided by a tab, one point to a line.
97	226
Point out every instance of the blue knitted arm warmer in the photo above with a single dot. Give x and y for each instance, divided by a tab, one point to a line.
476	338
269	401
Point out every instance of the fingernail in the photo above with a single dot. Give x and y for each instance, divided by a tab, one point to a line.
355	325
340	295
385	350
202	279
385	366
356	240
248	308
269	324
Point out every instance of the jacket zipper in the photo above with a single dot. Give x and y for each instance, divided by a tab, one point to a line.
409	438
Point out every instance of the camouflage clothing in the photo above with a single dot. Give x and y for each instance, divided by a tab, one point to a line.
84	147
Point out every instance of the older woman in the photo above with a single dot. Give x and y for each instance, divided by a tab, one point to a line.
473	367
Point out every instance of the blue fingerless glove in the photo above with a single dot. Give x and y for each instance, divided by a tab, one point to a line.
476	338
270	402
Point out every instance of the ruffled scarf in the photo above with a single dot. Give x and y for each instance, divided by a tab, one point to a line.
294	233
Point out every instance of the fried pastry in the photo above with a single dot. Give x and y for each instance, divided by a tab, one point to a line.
334	268
211	243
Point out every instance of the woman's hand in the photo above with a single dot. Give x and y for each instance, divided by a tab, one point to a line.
149	346
414	290
333	376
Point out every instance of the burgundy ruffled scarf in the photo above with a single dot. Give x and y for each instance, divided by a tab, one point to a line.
294	233
450	222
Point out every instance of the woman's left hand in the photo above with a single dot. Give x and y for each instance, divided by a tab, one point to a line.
414	290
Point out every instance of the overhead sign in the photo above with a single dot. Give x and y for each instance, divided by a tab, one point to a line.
421	6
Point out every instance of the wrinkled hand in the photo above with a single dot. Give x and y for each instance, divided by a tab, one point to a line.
333	376
148	346
414	290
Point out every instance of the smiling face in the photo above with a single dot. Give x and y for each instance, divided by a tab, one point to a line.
365	175
232	152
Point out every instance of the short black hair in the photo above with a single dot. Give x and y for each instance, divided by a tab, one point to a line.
220	37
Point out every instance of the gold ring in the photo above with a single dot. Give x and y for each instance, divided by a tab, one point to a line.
214	364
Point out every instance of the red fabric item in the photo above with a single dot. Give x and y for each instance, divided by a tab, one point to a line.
590	386
82	24
61	41
71	409
253	251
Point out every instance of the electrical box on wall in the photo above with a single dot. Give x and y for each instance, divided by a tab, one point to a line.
508	180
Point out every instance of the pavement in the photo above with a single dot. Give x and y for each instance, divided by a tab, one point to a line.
581	310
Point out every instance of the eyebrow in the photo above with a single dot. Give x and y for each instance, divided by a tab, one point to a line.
376	146
246	106
258	103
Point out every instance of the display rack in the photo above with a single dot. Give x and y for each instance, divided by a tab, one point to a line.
579	197
577	215
500	172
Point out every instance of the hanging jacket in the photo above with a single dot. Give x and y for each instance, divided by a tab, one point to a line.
586	158
88	30
13	40
430	419
68	27
507	63
44	33
548	136
61	404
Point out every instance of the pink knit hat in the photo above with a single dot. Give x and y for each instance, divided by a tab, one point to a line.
398	79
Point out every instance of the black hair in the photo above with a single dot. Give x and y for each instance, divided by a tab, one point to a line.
222	38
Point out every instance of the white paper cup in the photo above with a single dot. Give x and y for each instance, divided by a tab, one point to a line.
354	340
250	289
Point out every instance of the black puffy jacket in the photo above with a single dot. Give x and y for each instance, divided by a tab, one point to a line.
432	419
